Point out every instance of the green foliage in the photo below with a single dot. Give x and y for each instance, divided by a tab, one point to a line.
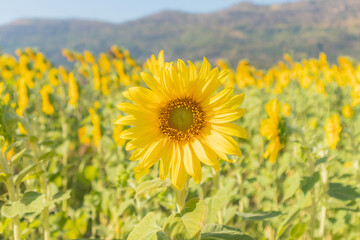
30	202
222	232
188	223
307	183
215	204
147	228
343	192
155	184
259	216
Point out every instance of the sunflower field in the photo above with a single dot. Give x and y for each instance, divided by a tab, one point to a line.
111	148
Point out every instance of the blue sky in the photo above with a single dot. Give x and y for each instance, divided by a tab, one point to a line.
115	11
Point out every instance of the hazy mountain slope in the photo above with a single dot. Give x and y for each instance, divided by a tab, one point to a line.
259	33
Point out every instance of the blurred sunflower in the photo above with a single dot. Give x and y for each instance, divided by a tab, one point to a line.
179	120
273	129
333	130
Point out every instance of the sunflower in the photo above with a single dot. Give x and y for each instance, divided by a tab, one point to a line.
333	130
347	111
180	121
273	129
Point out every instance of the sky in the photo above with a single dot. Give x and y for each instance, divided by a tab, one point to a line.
114	11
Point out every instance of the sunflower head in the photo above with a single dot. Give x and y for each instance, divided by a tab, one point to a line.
274	129
333	130
180	120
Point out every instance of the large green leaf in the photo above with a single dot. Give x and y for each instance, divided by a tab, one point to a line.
343	192
33	201
298	230
155	184
285	224
215	204
60	196
307	183
260	216
222	232
291	185
10	210
146	229
188	223
16	157
21	175
30	202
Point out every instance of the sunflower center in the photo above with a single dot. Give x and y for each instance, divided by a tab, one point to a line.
181	119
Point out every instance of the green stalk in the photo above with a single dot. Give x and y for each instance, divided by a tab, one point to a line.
13	198
216	188
313	198
44	190
65	172
4	166
180	196
313	193
241	202
323	208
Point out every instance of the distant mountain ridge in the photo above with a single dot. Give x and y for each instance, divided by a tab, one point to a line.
259	33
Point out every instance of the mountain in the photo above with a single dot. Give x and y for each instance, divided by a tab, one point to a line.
259	33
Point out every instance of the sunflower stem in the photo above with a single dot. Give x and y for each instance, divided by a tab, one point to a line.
44	190
323	208
64	162
313	197
4	167
13	198
180	196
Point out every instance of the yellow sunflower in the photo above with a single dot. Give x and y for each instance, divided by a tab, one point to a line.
333	130
180	120
272	128
347	111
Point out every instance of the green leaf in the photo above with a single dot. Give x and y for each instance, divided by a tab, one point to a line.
10	210
230	212
90	172
307	183
291	185
124	205
47	155
147	228
162	236
259	216
20	176
188	223
343	192
215	204
298	230
285	224
155	184
17	157
33	139
346	209
61	196
31	202
4	177
222	232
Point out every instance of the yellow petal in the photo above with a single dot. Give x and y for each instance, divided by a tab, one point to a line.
192	163
227	115
204	153
178	174
165	160
230	129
